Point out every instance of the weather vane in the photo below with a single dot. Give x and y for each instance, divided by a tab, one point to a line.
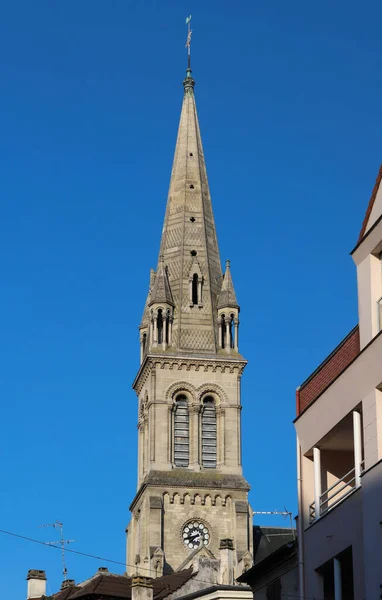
188	42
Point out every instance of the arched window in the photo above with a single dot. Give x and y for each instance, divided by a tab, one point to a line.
224	332
209	433
195	284
181	432
144	340
160	326
231	331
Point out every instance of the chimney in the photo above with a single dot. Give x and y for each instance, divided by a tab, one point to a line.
226	562
67	583
36	583
103	570
141	588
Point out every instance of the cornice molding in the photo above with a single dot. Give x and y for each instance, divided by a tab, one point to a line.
186	364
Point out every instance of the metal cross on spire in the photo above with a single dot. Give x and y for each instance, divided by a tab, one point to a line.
188	42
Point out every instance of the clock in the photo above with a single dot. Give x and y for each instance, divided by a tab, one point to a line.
195	534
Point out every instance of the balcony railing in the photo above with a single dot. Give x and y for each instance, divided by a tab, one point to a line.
379	304
335	493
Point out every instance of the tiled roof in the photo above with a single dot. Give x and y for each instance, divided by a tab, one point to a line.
328	370
118	587
370	205
267	540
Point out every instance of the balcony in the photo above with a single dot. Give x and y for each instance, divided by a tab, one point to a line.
336	493
337	465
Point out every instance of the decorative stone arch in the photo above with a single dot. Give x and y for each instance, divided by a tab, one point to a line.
214	390
178	387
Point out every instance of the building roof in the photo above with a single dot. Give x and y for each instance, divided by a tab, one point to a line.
370	205
282	554
266	540
328	370
105	585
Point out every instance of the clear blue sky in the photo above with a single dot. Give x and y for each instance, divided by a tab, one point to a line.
289	101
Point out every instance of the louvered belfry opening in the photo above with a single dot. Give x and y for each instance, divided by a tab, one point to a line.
209	433
181	432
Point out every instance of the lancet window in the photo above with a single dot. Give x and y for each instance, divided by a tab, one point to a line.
209	433
181	432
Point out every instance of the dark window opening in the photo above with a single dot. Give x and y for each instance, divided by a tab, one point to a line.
191	187
191	154
195	283
193	253
144	340
223	328
160	326
209	458
192	219
232	332
181	432
274	590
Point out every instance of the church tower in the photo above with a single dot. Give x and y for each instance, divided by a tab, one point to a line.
191	496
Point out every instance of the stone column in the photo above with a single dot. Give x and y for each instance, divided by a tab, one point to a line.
236	340
227	334
200	300
155	336
190	290
357	447
220	416
317	481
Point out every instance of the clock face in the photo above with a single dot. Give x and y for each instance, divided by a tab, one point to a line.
195	534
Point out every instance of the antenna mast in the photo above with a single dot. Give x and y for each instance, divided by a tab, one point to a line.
61	543
284	513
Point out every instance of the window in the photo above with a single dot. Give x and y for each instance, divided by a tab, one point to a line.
274	590
209	433
160	326
195	284
223	331
181	432
144	340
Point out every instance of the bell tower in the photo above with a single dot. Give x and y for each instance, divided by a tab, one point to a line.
191	492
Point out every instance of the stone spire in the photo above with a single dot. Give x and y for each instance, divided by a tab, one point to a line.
189	248
227	296
161	292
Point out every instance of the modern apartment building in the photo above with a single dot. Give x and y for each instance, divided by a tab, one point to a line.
339	444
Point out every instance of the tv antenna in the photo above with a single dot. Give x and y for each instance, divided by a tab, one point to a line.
284	513
59	543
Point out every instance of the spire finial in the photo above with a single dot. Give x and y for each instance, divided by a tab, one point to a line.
189	82
227	263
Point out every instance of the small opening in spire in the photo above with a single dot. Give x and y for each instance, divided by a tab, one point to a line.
193	253
192	219
192	186
191	154
195	281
